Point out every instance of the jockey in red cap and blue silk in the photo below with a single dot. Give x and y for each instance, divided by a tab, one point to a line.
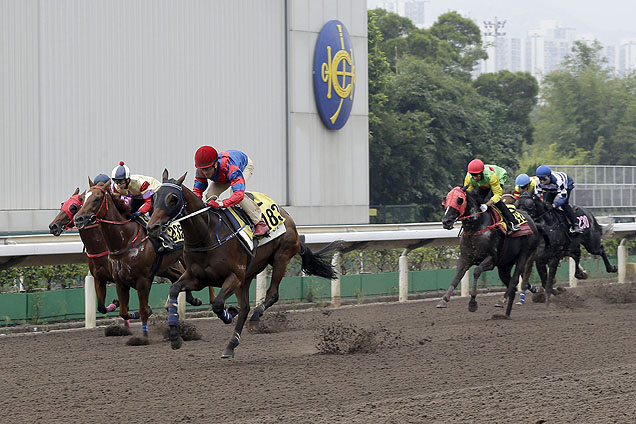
227	169
138	188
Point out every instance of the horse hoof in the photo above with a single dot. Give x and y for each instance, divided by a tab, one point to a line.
500	304
196	302
472	306
253	325
176	344
442	304
233	310
520	303
581	275
613	269
228	353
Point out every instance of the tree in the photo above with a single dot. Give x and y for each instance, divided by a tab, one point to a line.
378	74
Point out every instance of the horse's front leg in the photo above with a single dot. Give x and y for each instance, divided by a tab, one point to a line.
485	265
123	294
243	298
143	293
185	282
463	264
580	272
525	279
553	265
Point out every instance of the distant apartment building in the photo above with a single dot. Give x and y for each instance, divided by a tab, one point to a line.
415	11
626	61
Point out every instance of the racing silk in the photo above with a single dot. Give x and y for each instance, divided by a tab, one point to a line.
494	177
563	183
140	187
229	171
534	181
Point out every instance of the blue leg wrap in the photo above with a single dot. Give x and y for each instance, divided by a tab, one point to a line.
173	315
144	328
134	315
522	296
226	317
532	288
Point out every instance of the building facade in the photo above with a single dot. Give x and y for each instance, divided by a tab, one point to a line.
87	84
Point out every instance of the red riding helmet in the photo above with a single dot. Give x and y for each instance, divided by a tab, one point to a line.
475	166
206	156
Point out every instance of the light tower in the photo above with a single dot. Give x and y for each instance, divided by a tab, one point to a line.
493	29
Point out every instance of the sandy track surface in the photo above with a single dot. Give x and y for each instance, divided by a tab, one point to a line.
375	363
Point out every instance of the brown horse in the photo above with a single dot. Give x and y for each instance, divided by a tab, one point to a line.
134	261
215	256
95	245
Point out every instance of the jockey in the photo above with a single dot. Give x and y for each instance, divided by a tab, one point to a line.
486	179
525	183
140	190
227	169
101	178
548	181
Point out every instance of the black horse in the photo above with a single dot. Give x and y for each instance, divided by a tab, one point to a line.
557	242
484	243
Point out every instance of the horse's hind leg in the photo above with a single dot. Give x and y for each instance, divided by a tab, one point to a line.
485	265
504	276
580	272
123	294
243	298
599	249
553	265
278	272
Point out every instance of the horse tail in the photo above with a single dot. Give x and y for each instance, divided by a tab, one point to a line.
607	230
316	263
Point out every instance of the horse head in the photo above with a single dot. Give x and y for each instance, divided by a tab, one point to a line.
455	203
531	203
95	204
64	219
169	204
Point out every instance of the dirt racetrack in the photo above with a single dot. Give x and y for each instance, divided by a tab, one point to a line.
374	363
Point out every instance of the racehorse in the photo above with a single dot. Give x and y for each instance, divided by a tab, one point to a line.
215	256
134	261
96	249
557	242
485	244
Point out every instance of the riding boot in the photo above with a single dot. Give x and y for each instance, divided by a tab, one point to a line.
570	213
513	225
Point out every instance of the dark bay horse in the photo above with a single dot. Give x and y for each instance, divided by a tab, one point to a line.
214	256
95	244
133	260
557	242
484	244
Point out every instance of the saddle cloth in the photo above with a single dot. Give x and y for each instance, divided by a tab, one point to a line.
503	226
270	214
173	231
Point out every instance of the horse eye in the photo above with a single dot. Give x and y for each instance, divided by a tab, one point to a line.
460	200
73	208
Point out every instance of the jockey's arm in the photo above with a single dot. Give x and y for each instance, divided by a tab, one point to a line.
146	193
237	182
516	193
497	191
563	195
467	182
200	185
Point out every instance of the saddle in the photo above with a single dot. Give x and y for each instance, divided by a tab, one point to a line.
503	226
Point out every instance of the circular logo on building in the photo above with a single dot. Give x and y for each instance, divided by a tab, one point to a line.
334	74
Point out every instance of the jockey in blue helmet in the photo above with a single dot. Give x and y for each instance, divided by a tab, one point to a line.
557	183
101	178
524	183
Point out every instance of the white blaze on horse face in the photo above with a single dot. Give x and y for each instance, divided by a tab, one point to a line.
88	194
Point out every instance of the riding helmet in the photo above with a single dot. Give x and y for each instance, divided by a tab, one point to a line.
475	166
544	171
120	172
205	157
101	178
522	180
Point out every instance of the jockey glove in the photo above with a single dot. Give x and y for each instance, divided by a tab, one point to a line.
483	207
215	204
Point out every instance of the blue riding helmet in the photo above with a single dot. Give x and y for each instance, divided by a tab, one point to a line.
522	180
544	171
101	178
120	172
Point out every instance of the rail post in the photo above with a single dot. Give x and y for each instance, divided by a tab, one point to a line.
403	281
261	287
621	252
90	315
465	284
335	283
572	279
181	305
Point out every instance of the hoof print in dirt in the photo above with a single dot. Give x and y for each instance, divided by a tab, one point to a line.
499	316
138	341
339	338
277	322
117	330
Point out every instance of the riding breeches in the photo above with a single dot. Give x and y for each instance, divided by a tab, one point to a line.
247	204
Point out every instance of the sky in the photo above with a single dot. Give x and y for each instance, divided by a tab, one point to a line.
607	20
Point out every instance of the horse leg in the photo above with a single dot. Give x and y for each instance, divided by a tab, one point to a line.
462	267
599	249
100	293
243	298
143	294
173	273
271	297
485	265
504	276
553	265
123	293
525	280
576	255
